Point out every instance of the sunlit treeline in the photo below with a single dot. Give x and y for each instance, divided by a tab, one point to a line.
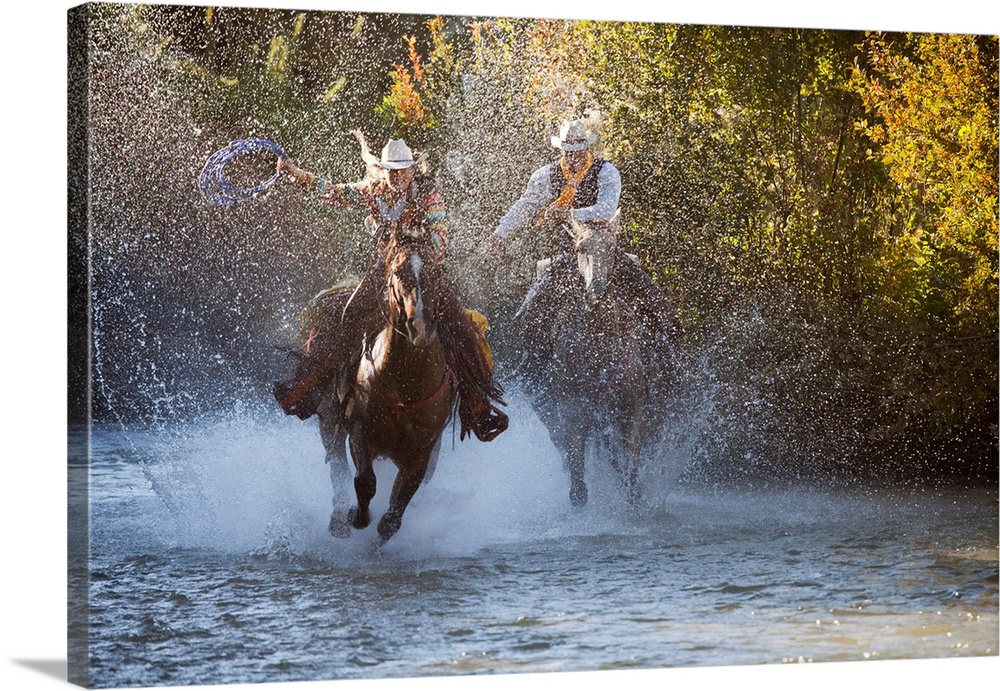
821	206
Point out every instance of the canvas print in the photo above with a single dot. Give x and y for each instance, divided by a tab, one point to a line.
429	345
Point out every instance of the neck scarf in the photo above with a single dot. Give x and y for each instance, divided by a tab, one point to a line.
565	199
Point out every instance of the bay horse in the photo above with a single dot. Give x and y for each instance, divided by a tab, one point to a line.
397	401
597	341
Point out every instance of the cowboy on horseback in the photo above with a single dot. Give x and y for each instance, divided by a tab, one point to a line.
581	188
595	331
579	185
403	202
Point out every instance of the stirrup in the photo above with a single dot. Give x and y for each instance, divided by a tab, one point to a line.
487	421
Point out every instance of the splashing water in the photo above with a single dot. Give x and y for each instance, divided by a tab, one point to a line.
210	556
241	482
493	571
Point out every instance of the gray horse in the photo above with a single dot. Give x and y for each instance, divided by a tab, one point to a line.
598	340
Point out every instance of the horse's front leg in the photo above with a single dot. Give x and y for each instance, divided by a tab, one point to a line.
432	461
630	469
364	482
575	450
408	479
571	443
340	478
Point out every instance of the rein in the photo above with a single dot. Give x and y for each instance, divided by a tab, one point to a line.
399	409
392	298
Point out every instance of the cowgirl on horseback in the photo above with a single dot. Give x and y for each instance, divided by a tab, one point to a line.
402	200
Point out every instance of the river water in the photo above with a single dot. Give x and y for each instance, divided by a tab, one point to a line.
211	564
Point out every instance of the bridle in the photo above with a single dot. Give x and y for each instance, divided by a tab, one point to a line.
399	409
395	300
589	237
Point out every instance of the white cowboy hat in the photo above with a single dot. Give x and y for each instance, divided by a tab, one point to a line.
396	155
573	136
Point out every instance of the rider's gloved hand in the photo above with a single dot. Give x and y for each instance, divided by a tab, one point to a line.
287	167
557	214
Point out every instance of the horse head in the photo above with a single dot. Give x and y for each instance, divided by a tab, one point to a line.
411	280
596	244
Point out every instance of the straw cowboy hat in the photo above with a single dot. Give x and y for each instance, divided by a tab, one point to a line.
573	136
396	155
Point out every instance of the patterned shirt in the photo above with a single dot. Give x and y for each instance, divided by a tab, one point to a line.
420	212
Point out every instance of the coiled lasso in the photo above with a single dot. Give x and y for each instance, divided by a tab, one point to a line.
217	188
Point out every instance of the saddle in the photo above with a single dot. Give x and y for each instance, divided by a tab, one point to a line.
331	344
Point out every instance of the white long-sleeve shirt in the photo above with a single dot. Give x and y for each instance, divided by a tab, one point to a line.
538	195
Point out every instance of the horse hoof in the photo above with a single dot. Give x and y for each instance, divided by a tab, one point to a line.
358	519
634	496
339	524
388	525
578	495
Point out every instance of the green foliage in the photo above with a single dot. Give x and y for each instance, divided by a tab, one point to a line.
820	205
835	188
418	93
932	124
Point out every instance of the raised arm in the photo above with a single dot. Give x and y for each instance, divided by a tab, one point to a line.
341	194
